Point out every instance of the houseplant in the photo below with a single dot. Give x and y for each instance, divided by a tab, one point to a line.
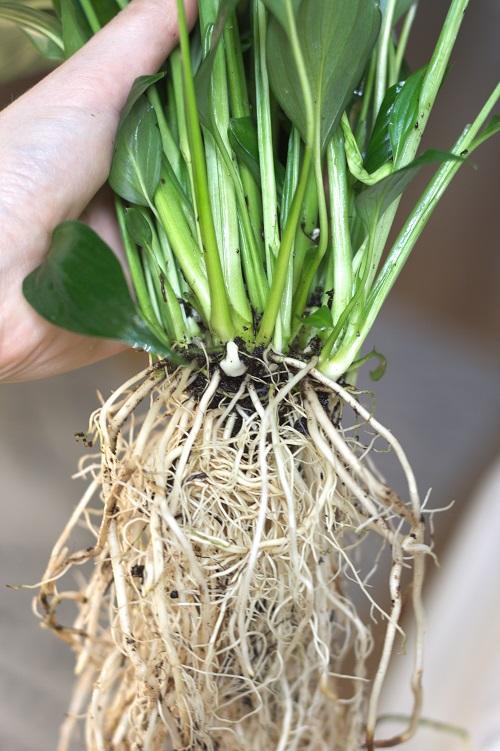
275	396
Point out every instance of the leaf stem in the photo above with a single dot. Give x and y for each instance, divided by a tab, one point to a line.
411	231
433	79
339	215
381	83
91	16
220	316
269	318
403	38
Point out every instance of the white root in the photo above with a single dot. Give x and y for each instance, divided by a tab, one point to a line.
218	611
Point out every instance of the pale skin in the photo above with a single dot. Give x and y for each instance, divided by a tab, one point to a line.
56	146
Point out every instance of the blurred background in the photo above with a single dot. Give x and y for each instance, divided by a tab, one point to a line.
440	396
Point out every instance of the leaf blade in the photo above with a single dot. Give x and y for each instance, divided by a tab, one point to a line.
135	171
81	287
336	38
404	114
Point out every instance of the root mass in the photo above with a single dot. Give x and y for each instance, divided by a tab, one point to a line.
220	606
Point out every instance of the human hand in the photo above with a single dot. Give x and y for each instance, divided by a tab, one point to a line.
56	147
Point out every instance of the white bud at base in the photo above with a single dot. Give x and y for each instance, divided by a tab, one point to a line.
231	364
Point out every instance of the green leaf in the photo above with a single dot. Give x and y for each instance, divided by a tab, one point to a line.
139	86
336	38
321	319
75	28
42	29
243	139
396	119
138	228
404	114
379	149
373	201
81	287
135	172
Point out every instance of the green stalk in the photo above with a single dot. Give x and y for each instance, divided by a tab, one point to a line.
339	216
138	277
91	16
353	337
430	87
247	190
418	218
309	214
433	78
403	38
221	175
268	323
362	123
265	141
164	300
240	107
256	281
179	118
184	245
221	322
381	82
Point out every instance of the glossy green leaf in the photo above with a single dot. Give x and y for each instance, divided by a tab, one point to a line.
379	149
243	140
139	87
43	29
75	28
373	201
404	115
336	38
135	172
321	319
138	228
81	287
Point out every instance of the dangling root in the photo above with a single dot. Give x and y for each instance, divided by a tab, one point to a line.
220	608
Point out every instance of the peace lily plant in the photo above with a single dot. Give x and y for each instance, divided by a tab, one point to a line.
257	178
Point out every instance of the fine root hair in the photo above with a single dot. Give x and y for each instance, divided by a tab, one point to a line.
235	527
